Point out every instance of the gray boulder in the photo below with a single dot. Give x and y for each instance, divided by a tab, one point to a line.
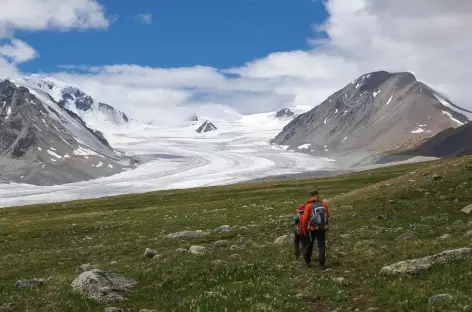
150	253
103	287
221	243
467	209
285	239
420	265
223	228
35	282
84	268
187	234
199	250
440	298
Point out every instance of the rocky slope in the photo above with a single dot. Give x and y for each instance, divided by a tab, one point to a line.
44	143
451	142
377	112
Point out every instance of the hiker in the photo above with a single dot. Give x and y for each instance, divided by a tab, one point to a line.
314	226
297	232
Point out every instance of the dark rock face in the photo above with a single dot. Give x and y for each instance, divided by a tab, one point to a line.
284	112
377	112
206	127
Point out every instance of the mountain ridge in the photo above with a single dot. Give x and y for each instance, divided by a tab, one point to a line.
377	112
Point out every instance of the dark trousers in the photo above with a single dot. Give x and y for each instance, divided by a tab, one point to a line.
297	241
320	237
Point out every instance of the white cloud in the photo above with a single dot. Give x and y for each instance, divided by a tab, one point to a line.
50	14
145	18
431	39
18	51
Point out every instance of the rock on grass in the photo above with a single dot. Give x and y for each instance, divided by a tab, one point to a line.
420	265
84	268
150	253
467	209
223	228
103	287
187	234
199	250
35	282
440	298
285	239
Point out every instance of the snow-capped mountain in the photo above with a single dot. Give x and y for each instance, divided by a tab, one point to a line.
44	143
206	126
95	114
377	112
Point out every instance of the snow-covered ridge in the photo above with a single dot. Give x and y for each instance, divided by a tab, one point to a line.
96	115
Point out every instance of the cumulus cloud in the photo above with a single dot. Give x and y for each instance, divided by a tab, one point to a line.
50	14
145	18
431	38
18	51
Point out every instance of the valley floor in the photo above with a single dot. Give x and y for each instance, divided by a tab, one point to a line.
177	158
379	217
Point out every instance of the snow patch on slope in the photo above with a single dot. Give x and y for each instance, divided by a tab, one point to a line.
452	118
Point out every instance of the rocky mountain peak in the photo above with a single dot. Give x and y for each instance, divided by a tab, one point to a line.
207	126
284	112
378	111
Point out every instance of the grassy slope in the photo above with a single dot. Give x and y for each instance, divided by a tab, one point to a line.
52	240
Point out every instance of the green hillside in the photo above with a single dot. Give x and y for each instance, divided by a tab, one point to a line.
379	217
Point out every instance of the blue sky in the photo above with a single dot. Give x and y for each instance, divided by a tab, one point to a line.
244	55
182	33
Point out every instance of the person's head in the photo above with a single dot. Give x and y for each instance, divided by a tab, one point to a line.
301	208
314	193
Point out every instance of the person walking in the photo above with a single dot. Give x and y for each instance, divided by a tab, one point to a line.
298	239
314	227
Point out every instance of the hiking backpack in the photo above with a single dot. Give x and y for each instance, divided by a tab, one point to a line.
318	216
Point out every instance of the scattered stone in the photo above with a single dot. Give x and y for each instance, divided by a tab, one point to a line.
6	306
243	241
180	250
420	265
235	256
84	268
440	298
223	228
391	201
113	309
365	244
468	234
221	243
234	247
437	177
199	250
113	262
103	287
150	253
126	310
218	262
456	200
187	234
285	239
35	282
407	236
467	209
445	237
340	281
371	309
